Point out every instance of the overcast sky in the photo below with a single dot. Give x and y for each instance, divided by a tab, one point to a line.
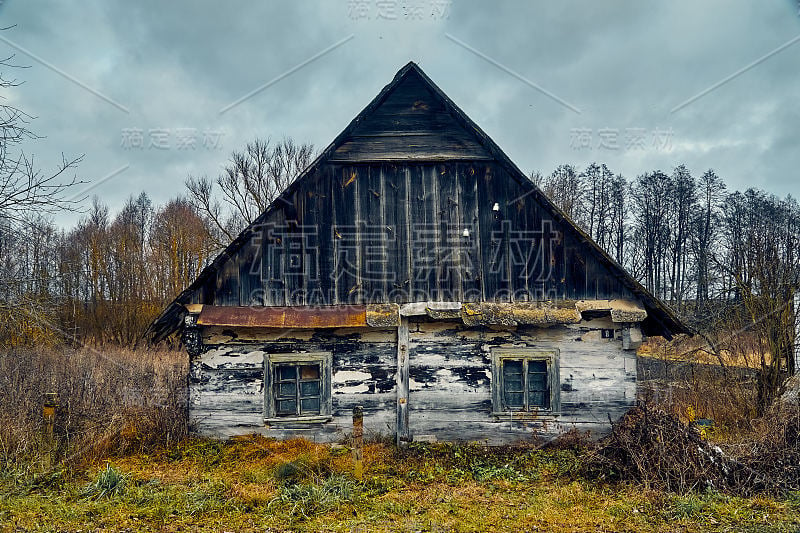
146	89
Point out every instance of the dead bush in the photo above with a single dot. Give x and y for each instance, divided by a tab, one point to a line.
680	379
110	401
658	450
769	456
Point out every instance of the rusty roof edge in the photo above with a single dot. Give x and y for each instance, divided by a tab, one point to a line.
544	314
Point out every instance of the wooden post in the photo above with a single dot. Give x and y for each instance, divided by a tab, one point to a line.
403	434
49	417
794	368
358	441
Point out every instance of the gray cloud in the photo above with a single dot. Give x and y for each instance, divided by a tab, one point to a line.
623	64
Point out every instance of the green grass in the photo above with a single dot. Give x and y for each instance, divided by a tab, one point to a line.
110	482
255	484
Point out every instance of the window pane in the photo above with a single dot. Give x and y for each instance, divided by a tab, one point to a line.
287	390
309	388
512	376
286	372
287	407
309	406
537	382
309	372
539	399
537	366
514	399
513	384
296	387
512	368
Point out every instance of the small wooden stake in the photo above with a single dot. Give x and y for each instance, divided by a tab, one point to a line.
49	416
403	383
358	441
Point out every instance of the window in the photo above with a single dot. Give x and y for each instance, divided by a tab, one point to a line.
297	387
525	380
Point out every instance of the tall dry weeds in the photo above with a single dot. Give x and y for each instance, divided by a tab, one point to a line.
110	401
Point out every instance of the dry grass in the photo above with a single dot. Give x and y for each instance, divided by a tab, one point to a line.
242	486
110	401
679	377
696	390
124	463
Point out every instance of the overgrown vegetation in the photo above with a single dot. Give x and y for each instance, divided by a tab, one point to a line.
109	402
253	483
120	456
659	451
122	460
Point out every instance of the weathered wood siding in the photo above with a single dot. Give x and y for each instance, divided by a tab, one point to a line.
226	384
391	232
449	375
411	123
451	380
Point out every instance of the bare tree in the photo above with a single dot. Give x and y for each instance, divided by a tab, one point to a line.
760	255
566	189
705	234
23	186
618	215
651	194
249	183
26	195
684	200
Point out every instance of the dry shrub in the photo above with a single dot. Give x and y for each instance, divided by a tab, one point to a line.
657	449
769	456
725	395
681	377
110	401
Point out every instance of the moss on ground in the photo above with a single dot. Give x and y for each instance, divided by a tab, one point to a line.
255	484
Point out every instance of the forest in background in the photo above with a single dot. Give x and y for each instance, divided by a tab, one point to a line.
712	254
706	251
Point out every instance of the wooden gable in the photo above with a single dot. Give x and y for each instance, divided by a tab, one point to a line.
410	124
412	202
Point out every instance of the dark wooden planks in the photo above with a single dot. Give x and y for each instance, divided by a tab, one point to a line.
373	235
434	147
492	235
450	224
272	263
396	220
469	251
346	243
394	232
410	124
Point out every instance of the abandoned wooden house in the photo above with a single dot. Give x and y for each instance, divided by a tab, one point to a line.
412	269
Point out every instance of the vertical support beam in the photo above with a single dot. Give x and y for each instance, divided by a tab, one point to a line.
49	416
403	434
631	337
358	441
795	368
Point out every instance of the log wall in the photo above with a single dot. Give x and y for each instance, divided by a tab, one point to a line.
449	380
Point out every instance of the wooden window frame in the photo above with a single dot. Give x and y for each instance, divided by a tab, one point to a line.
271	360
550	356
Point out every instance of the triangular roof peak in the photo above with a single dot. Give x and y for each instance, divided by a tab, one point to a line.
411	119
